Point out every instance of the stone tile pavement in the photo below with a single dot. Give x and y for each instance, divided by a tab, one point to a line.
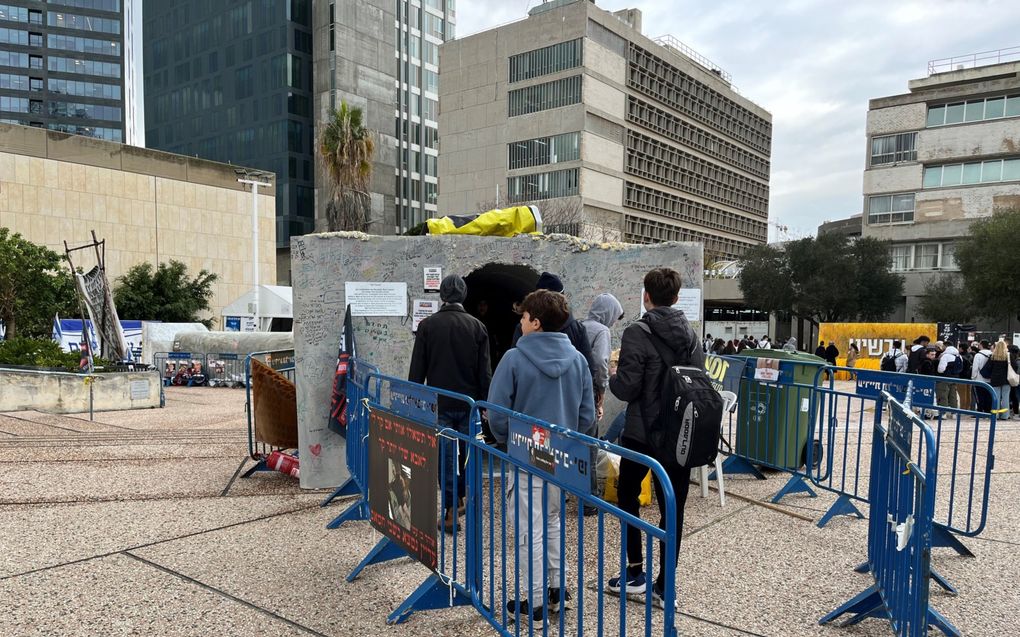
136	524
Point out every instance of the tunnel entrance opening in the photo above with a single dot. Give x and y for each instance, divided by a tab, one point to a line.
493	290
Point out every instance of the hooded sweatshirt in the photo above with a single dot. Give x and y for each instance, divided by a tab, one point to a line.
605	311
638	377
546	378
791	345
948	356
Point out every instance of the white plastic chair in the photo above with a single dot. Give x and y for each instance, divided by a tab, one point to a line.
729	406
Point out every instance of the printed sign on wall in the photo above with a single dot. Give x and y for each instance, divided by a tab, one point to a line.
376	298
403	483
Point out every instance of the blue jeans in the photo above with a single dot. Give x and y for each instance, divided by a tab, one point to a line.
616	428
1003	394
452	470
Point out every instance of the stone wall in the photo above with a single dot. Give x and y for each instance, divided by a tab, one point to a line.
323	263
66	393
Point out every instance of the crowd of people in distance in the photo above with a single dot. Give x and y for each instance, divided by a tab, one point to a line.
722	347
997	364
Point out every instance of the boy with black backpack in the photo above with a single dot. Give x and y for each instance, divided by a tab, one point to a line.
661	357
894	360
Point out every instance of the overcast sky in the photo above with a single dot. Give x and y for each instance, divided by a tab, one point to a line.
814	66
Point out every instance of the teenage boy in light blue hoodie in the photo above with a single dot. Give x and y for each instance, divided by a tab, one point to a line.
545	378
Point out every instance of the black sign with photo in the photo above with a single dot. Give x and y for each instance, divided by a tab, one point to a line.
403	491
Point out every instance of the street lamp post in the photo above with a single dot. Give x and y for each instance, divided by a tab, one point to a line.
254	178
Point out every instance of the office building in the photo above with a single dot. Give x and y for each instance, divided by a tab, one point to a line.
149	206
64	64
384	59
232	82
939	156
614	135
850	227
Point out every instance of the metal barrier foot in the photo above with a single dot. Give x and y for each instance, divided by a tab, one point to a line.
867	603
937	620
842	506
354	513
939	579
941	536
384	551
259	466
737	465
349	487
430	595
862	568
796	484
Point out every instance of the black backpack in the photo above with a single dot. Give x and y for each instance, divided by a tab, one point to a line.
889	361
687	431
955	367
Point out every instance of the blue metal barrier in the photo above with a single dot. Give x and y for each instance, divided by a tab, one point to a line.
902	497
495	521
964	446
283	362
479	561
358	395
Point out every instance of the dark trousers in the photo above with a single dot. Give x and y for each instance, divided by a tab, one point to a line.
628	491
452	470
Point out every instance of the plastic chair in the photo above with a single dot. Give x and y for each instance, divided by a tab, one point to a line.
729	406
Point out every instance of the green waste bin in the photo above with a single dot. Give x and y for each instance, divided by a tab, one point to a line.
773	421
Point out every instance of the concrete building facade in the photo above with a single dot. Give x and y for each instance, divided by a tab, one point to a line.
938	157
64	64
615	136
232	82
354	61
149	206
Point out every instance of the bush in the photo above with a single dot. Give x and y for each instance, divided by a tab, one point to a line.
39	352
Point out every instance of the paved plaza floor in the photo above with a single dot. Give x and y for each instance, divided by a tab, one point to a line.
137	523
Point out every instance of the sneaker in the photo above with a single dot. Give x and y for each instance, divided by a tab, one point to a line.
554	599
634	584
659	601
523	607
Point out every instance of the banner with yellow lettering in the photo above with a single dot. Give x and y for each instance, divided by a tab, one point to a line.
873	339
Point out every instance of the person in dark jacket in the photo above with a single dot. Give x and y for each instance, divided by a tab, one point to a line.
917	353
637	381
928	366
820	350
831	353
999	378
451	351
572	328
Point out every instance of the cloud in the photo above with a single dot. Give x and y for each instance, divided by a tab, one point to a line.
814	65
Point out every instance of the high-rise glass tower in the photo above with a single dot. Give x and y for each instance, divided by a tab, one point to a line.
63	65
383	57
232	82
422	25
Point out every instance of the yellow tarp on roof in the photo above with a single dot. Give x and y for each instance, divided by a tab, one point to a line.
506	222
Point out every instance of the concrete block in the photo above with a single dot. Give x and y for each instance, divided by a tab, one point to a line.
65	393
322	264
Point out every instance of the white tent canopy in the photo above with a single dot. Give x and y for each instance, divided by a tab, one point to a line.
275	301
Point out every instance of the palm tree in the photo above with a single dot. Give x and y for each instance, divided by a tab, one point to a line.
346	150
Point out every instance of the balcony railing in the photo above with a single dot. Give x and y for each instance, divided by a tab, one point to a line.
974	60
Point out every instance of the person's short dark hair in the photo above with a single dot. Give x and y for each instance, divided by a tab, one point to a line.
550	308
985	344
662	286
897	344
921	339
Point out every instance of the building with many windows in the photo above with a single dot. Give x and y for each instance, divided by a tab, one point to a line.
943	154
232	82
63	65
613	135
396	84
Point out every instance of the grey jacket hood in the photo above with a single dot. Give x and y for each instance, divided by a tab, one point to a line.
550	352
605	309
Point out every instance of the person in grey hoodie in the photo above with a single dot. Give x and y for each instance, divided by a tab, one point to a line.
604	313
546	378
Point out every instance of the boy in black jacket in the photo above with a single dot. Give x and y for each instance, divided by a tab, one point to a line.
637	381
